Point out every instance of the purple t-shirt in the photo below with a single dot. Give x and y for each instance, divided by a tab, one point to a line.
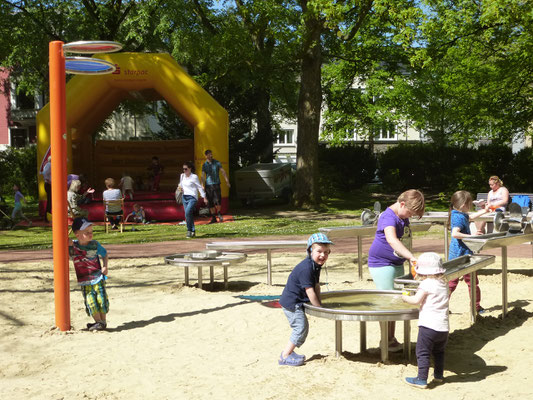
381	253
18	196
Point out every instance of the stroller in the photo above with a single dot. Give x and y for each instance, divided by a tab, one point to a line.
5	220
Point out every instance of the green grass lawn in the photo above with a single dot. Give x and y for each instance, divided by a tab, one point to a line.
263	219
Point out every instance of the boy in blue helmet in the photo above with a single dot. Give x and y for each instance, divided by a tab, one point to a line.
302	287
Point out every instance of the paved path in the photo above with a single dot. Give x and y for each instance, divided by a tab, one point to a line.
197	244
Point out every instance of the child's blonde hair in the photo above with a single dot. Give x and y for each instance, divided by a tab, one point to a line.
414	201
109	183
75	186
496	179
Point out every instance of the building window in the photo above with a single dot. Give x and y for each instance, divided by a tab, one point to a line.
285	136
385	131
19	137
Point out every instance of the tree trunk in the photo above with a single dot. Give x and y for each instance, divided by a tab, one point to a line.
264	138
306	191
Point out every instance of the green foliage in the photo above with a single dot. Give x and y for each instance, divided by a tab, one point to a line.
345	168
436	167
520	178
472	76
17	166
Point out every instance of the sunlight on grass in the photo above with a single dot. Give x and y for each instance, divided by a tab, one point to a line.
262	220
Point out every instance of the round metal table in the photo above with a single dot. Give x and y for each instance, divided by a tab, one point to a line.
209	258
367	305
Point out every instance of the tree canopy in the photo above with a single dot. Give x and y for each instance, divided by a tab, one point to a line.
459	70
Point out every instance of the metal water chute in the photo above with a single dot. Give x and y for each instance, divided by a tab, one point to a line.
369	217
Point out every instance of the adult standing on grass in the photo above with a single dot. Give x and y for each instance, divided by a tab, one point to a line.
190	186
497	200
211	180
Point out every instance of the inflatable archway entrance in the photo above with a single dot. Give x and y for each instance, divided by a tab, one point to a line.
90	100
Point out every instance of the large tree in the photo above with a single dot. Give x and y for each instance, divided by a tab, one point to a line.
326	26
27	27
474	75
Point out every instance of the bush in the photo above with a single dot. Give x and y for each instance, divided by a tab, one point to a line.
439	168
344	168
18	165
521	179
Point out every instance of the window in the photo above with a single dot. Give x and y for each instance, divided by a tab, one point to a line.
385	131
285	136
19	137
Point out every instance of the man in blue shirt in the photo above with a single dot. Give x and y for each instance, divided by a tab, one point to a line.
211	181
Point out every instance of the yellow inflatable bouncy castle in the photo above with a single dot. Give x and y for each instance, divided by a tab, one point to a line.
91	99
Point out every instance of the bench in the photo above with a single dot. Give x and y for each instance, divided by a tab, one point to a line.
267	245
525	210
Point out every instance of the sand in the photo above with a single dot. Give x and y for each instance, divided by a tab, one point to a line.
170	341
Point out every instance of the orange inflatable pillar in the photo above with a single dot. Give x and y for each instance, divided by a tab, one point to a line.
58	141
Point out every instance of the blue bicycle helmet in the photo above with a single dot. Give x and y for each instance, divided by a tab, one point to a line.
317	238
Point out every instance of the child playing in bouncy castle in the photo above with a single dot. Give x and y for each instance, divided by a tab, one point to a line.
138	215
303	286
433	322
387	253
86	254
459	223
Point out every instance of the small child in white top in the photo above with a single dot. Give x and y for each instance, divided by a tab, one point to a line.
433	322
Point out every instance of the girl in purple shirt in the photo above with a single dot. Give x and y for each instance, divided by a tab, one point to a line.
387	253
17	210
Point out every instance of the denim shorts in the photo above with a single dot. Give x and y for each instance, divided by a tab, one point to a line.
298	322
384	276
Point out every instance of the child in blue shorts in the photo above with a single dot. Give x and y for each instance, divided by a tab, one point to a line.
302	287
86	253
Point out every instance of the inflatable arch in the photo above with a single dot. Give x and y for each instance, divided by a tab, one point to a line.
91	99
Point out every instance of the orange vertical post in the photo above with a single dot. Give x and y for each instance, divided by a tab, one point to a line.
58	141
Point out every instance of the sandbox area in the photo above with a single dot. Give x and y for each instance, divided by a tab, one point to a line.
169	341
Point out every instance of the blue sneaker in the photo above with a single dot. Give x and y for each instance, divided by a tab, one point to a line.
298	355
418	383
290	360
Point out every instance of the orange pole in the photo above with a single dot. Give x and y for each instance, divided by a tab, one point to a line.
58	141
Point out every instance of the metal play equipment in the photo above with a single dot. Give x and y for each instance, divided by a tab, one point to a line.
361	231
58	147
515	230
267	245
455	268
497	218
363	306
370	217
207	258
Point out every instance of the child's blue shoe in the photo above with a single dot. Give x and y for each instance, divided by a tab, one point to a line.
418	383
290	360
298	355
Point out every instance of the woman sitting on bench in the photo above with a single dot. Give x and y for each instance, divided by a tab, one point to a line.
497	200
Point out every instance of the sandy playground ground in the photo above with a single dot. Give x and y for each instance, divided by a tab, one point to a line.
168	341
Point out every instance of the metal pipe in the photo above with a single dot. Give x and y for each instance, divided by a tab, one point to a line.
58	141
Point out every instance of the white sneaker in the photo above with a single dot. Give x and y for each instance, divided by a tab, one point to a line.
183	223
394	346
